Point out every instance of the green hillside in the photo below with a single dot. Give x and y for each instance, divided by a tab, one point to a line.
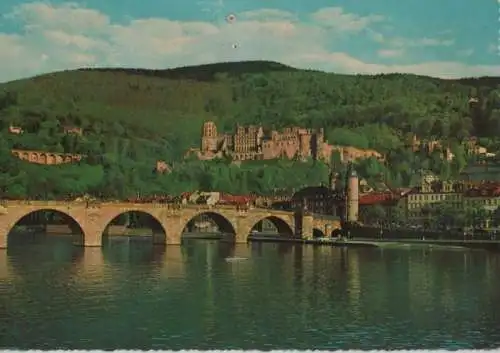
132	117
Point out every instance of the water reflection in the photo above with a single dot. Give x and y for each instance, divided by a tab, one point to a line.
41	250
351	265
135	295
90	267
173	262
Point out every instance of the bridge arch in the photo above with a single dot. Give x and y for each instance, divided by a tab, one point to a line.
318	233
47	216
337	232
282	226
119	222
223	224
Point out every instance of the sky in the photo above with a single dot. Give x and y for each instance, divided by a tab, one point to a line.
441	38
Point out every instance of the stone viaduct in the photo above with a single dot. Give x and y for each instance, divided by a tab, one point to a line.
47	158
92	219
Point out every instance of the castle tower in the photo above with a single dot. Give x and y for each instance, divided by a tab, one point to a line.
352	196
304	145
321	135
317	144
260	135
209	137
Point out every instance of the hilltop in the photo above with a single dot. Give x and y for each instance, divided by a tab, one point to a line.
206	72
132	117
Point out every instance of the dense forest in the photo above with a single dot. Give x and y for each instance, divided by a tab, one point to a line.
132	118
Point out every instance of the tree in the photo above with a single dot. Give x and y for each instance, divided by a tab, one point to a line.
373	214
495	217
336	160
397	213
447	216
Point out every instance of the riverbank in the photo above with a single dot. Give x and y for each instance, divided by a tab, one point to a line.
491	245
376	233
394	239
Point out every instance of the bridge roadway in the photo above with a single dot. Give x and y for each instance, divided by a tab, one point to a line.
92	219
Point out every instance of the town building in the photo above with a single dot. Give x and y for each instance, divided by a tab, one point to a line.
280	199
429	193
162	167
253	143
327	200
471	147
360	196
73	130
432	193
16	130
485	196
317	199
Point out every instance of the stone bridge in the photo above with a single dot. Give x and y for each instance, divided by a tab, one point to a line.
91	219
324	225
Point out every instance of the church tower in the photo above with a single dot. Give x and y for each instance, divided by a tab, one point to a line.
334	181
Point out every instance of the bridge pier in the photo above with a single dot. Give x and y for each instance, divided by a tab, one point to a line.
307	226
92	239
165	239
3	238
241	238
5	269
5	228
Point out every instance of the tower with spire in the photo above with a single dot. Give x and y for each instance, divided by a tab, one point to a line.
334	181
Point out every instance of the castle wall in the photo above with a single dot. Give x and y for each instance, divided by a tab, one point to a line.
268	150
305	145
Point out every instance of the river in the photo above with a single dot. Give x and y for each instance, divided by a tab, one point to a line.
131	295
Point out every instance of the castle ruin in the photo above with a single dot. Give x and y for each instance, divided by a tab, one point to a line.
252	143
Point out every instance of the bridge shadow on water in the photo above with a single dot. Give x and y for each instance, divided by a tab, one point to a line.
56	257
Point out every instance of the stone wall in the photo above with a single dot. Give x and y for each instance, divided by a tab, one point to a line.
46	158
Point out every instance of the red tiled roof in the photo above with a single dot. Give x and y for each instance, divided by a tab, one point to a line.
236	199
378	197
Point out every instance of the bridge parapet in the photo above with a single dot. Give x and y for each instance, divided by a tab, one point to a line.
163	205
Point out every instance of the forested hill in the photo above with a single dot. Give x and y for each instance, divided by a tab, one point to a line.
144	115
171	104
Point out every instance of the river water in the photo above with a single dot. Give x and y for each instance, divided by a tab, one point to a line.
131	295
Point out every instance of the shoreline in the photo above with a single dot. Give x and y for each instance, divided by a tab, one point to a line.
490	245
390	242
